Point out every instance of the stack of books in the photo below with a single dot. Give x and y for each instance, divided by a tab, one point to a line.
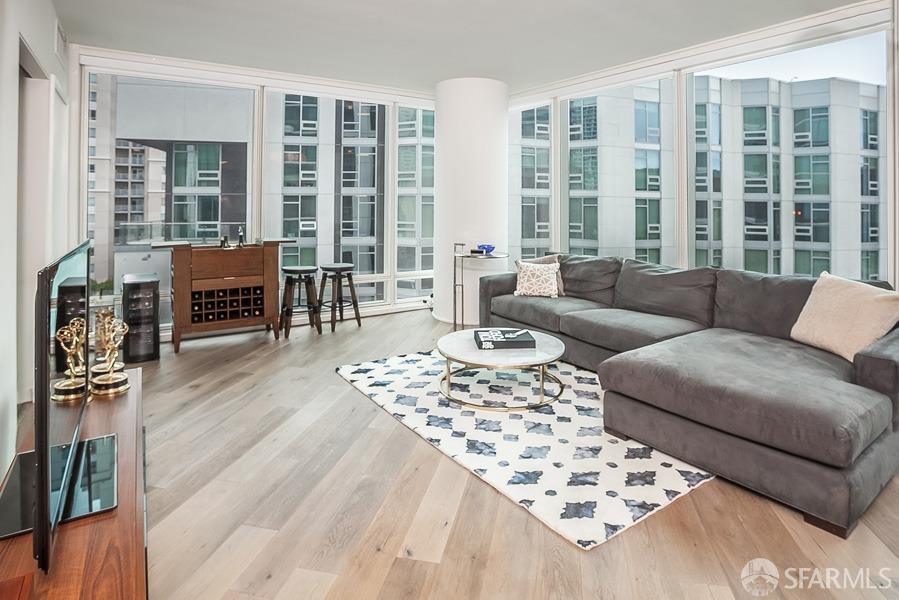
503	339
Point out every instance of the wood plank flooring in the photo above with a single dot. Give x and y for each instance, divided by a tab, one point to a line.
271	477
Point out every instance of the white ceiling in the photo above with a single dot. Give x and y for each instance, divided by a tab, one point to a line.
413	44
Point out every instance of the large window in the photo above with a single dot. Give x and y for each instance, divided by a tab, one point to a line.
415	203
811	149
166	161
530	185
619	194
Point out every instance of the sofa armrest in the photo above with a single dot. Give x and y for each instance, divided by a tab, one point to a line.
877	368
492	286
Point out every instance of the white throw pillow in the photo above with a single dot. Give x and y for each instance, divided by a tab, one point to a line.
844	316
537	280
546	260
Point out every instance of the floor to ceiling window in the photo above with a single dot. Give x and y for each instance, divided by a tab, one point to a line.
166	161
530	182
799	189
414	203
618	173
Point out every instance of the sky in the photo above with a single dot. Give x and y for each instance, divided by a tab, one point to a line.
860	58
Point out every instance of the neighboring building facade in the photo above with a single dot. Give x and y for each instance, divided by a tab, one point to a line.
327	189
785	177
799	170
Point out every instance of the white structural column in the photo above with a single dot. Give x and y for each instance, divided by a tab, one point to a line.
472	185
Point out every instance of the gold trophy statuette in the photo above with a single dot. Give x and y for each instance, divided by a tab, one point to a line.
71	338
107	378
102	330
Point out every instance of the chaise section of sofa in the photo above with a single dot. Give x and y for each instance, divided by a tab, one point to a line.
743	400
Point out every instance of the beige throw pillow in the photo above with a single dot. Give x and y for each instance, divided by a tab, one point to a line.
844	316
548	260
537	280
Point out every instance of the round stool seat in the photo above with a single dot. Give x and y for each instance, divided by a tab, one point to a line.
337	267
299	270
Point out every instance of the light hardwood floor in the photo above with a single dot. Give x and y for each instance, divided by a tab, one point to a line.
271	477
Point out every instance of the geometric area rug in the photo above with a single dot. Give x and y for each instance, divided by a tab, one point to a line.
555	461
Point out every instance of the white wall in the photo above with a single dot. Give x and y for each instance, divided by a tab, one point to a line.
34	22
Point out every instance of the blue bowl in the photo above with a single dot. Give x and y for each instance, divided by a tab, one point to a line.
488	248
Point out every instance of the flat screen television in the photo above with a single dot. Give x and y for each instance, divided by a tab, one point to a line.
62	295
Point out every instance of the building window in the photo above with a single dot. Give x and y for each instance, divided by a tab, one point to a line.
407	122
649	255
870	223
648	220
707	230
582	169
870	265
870	139
755	222
360	120
647	171
775	173
535	123
811	222
535	167
427	123
811	262
583	219
812	174
300	116
582	119
755	173
706	162
407	166
755	125
300	166
299	216
775	126
534	217
755	260
647	129
810	127
359	166
870	174
197	165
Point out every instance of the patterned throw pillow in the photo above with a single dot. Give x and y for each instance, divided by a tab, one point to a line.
546	260
537	280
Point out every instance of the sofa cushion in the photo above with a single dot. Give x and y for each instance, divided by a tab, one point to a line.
763	304
688	294
775	392
539	312
623	330
590	277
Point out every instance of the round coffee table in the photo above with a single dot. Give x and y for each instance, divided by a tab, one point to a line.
460	347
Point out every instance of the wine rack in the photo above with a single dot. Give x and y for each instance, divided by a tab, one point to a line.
214	289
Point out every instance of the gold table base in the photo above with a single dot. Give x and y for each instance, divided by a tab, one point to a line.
445	385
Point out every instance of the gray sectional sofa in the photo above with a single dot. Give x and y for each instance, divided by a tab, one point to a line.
699	364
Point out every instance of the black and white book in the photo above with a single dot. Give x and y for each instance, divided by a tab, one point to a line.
503	339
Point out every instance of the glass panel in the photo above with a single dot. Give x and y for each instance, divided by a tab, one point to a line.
811	148
604	213
178	167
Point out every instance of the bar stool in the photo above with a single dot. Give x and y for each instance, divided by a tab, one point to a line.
313	307
337	272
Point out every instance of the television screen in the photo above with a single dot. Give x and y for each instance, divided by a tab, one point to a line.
62	366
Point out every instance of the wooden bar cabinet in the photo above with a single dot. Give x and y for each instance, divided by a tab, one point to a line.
216	289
